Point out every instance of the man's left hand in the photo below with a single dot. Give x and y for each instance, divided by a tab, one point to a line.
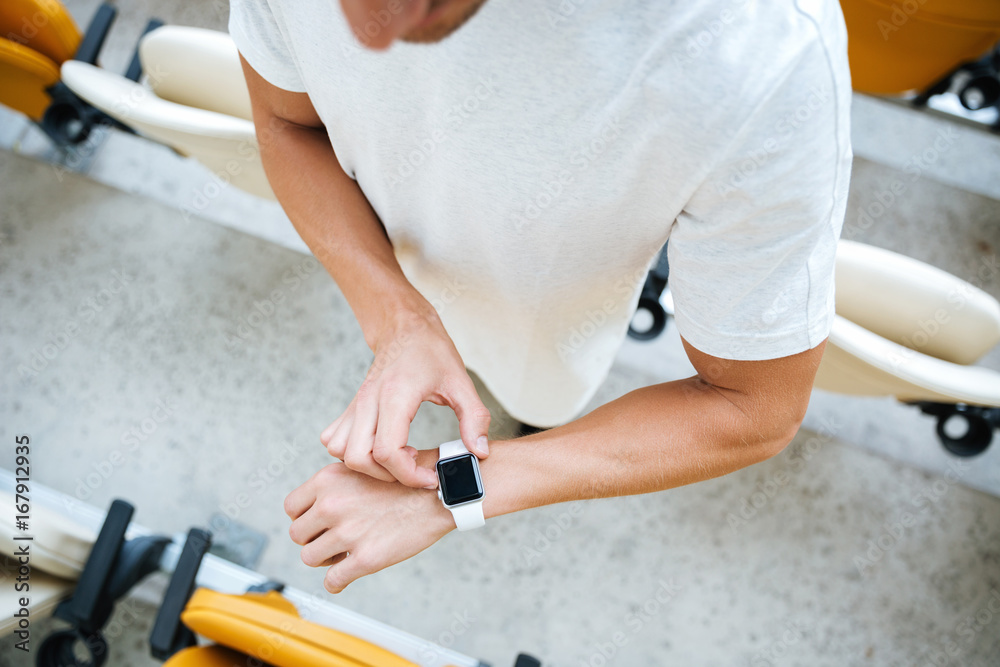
357	525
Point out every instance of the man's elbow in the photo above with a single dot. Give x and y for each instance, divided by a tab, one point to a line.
782	435
769	434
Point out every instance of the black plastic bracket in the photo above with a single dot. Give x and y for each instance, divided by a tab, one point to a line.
267	587
112	568
134	70
97	32
170	635
90	605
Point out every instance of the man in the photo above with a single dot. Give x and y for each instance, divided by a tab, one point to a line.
493	200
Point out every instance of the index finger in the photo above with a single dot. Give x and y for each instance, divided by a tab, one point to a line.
298	501
390	450
301	498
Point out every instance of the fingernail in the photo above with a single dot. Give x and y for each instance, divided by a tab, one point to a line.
483	445
431	487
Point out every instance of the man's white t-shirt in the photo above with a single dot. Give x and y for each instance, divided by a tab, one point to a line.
529	167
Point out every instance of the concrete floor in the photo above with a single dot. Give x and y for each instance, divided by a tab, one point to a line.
799	580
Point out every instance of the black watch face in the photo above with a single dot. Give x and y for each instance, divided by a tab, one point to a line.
459	480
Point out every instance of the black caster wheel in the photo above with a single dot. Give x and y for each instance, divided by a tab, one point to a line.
525	660
73	648
978	423
658	320
974	440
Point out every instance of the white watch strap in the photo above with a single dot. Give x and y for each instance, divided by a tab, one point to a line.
469	515
453	448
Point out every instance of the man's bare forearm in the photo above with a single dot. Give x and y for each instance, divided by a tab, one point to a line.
731	415
335	220
652	439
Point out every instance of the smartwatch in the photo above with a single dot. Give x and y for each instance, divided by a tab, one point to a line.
460	487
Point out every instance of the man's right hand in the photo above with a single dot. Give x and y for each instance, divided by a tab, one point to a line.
415	361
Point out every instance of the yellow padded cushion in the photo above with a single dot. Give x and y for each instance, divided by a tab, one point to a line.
895	47
268	627
207	656
43	25
25	75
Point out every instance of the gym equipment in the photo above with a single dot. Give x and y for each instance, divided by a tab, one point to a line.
906	329
909	330
926	47
194	100
896	47
251	619
41	37
38	37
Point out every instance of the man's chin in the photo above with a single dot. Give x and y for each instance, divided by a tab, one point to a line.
447	24
428	35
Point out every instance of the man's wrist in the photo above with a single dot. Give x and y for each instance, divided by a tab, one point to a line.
401	317
438	515
501	494
436	512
